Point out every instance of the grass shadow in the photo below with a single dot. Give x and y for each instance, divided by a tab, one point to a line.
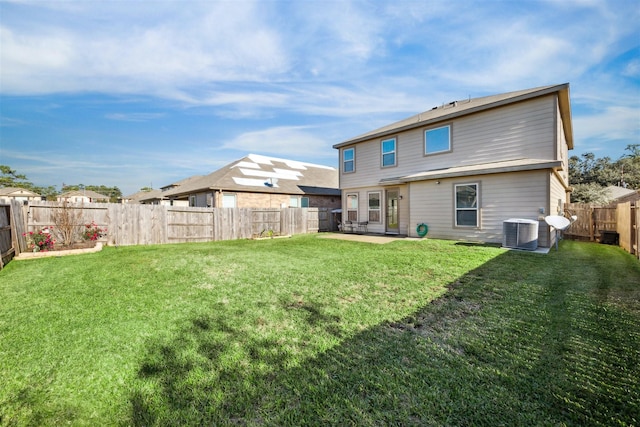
502	347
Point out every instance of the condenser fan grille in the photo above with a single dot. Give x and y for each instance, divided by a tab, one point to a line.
520	234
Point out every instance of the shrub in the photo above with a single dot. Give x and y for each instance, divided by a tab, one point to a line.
41	241
67	219
93	232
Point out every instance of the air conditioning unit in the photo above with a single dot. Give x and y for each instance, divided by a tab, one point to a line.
520	234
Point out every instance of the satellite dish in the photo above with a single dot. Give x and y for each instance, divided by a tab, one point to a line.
558	222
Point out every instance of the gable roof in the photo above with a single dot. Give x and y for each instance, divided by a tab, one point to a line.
15	191
616	192
262	174
144	195
181	182
474	105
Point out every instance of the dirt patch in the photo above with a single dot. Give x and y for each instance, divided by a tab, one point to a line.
77	245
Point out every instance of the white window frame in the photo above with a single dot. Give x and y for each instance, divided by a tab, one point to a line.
294	202
351	207
472	208
192	200
378	210
352	161
229	196
304	202
384	153
427	152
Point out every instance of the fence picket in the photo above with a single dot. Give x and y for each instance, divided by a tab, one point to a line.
132	224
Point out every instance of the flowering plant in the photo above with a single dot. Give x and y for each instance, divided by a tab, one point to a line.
40	241
93	232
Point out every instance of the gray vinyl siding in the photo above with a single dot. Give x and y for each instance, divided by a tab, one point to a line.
521	130
558	199
502	196
562	149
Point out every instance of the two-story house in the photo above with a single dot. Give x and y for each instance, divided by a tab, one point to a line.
463	168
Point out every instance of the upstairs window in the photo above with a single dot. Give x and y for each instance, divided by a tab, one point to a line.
348	160
466	205
437	140
388	147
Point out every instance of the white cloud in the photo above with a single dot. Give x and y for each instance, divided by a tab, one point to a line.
134	117
287	142
614	123
202	43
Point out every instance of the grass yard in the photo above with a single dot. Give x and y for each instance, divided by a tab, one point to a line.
313	331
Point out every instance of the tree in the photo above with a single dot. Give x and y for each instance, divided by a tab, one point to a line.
624	172
590	193
629	166
10	178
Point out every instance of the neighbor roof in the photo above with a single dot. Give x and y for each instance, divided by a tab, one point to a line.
8	191
262	174
145	195
620	192
473	105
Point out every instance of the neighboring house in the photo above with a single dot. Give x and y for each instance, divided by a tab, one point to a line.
83	196
15	193
158	197
143	197
621	195
463	168
257	181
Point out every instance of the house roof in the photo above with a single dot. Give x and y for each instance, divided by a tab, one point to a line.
144	195
15	191
181	182
616	192
262	174
480	169
474	105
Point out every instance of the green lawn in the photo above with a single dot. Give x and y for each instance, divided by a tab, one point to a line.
313	331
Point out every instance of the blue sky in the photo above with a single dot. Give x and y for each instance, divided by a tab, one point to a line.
145	93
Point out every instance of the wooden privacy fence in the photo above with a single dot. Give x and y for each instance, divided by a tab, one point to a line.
133	224
596	223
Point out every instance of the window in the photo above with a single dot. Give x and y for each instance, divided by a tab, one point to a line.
437	140
192	200
374	207
466	205
293	201
228	200
304	202
352	207
349	160
388	147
